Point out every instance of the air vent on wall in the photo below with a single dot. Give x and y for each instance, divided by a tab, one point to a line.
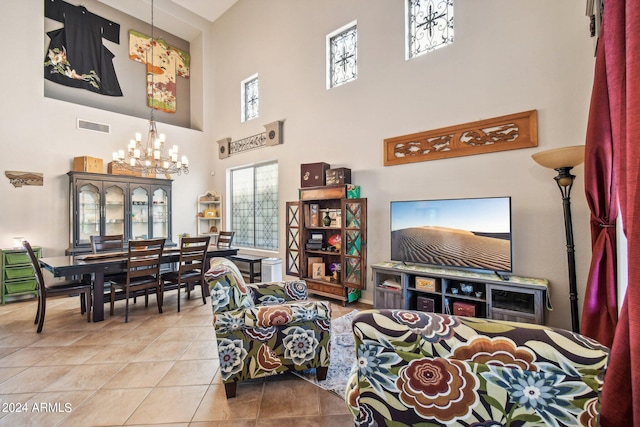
93	126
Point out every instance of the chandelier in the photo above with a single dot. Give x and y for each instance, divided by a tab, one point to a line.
150	157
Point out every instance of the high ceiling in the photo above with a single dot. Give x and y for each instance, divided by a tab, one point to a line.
208	9
183	18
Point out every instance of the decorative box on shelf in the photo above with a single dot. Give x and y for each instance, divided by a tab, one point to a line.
313	174
88	164
115	168
464	309
426	304
426	284
338	176
353	191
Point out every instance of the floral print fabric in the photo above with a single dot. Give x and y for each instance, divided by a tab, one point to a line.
265	329
435	369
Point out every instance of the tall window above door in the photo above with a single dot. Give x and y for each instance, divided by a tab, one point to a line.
429	26
250	98
254	205
342	55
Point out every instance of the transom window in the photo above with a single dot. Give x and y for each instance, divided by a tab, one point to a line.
250	98
342	55
254	205
429	25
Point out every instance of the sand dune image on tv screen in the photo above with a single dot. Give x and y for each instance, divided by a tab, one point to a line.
451	247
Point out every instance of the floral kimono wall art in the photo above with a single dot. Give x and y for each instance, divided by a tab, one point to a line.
163	68
76	56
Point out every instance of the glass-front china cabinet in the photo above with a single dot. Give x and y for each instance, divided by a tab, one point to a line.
138	208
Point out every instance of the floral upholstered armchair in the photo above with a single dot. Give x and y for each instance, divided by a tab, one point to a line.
434	370
265	329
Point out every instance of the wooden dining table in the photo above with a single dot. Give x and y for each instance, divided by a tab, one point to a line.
95	266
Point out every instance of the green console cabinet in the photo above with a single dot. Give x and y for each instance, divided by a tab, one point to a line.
18	277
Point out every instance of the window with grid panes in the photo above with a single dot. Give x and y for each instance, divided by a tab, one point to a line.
250	98
342	55
254	205
429	25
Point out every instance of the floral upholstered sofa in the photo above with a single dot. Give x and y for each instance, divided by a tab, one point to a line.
265	329
429	369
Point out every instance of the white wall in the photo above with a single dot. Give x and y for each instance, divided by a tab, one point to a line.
508	56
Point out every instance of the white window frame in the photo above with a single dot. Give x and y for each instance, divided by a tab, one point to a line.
243	99
408	50
229	205
328	53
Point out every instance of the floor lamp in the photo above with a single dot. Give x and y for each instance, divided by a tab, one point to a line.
563	160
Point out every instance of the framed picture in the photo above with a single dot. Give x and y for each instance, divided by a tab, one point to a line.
317	270
314	215
312	260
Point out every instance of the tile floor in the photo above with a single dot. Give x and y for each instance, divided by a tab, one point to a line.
158	369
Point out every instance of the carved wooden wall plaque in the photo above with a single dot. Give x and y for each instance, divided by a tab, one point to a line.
485	136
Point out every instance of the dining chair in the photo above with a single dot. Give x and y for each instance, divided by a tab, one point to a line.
110	243
143	273
191	267
56	288
225	238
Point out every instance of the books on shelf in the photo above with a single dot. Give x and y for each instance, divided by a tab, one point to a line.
390	284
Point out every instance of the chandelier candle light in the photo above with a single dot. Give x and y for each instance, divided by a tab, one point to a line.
150	158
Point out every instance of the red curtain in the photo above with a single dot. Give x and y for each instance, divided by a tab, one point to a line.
600	308
621	40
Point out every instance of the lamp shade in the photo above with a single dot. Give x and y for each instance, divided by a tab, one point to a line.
564	157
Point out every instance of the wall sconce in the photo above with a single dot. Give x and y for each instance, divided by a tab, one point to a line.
562	160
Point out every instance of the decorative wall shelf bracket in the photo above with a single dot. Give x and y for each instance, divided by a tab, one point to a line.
485	136
18	179
271	136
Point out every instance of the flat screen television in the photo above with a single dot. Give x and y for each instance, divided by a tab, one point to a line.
472	233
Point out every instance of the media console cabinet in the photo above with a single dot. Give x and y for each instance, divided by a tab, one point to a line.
442	290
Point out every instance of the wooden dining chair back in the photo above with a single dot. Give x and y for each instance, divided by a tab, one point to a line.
225	238
191	267
56	288
143	273
110	243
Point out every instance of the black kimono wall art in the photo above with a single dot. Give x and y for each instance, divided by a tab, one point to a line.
76	56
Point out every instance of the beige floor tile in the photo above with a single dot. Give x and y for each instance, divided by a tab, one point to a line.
190	372
194	320
332	404
84	377
45	409
113	406
6	373
27	356
168	405
102	337
225	423
216	407
70	355
289	398
56	339
34	379
14	403
20	339
139	374
207	334
320	421
201	350
180	334
156	369
162	351
119	353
